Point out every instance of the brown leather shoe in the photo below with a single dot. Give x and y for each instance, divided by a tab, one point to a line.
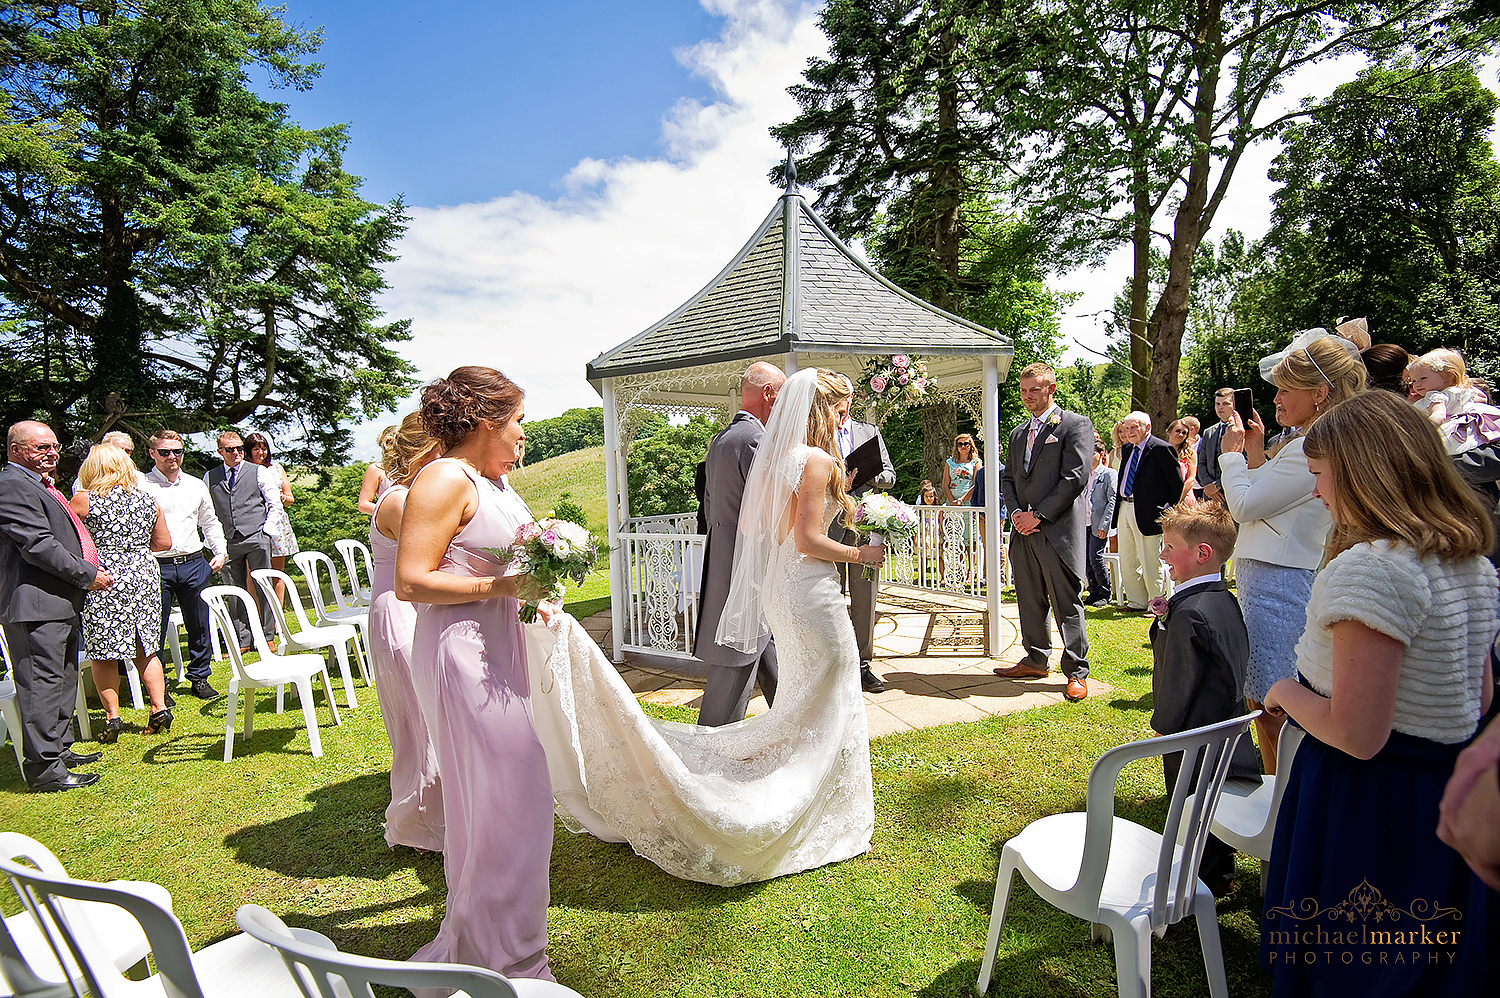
1077	690
1021	670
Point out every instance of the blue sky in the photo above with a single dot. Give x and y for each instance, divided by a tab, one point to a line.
458	101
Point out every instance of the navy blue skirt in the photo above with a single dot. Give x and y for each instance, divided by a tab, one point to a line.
1361	897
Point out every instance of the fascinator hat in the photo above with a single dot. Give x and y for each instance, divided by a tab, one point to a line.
1348	336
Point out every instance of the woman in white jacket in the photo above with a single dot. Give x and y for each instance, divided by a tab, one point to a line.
1282	526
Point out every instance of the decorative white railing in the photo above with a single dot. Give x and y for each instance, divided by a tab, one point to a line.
663	562
945	554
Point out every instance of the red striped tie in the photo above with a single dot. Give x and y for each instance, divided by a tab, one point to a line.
90	553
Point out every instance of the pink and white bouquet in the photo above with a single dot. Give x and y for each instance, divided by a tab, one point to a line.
552	551
881	516
887	385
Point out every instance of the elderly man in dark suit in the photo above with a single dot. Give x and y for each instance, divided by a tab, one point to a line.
863	592
1150	481
47	562
1045	473
732	674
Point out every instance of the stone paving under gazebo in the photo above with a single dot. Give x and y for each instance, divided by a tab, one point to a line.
924	687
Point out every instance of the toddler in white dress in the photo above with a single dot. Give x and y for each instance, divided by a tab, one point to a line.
1440	387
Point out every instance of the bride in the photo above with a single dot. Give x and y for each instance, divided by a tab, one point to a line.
777	793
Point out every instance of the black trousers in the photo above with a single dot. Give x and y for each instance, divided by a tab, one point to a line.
44	657
1098	572
726	694
184	585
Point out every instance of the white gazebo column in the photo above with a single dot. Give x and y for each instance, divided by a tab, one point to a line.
789	364
993	540
619	590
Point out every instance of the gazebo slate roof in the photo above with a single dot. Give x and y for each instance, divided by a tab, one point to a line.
795	286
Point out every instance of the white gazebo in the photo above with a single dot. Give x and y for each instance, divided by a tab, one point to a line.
795	296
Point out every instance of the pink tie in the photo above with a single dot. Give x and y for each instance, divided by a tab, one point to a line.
90	553
1031	439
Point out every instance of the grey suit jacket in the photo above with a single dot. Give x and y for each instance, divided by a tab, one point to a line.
1052	487
725	469
42	572
1210	446
1102	499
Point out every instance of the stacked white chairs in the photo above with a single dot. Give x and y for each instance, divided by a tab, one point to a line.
357	555
343	611
29	964
72	916
322	971
174	643
339	638
1124	878
270	672
1246	815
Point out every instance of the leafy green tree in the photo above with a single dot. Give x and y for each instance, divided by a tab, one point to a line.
573	430
661	468
1390	209
172	246
330	512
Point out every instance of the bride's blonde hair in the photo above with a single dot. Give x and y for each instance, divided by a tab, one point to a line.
823	423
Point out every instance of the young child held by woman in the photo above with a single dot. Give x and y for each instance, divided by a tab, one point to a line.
1440	387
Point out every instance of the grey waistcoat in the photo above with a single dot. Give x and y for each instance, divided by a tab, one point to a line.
243	510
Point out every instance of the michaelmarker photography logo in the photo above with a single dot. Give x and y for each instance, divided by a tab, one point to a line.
1364	929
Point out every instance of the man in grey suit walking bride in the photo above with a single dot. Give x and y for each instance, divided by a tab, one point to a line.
732	674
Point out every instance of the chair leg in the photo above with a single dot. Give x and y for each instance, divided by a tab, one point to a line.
13	727
333	706
231	705
133	675
1003	881
1133	958
249	712
1206	914
174	644
310	716
342	653
280	698
361	658
81	711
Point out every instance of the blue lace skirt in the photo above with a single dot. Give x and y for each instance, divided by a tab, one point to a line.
1273	599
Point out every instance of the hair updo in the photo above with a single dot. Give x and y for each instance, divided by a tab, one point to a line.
453	406
402	448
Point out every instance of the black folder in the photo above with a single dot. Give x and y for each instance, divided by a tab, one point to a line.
863	464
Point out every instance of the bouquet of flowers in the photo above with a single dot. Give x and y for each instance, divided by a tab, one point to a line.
894	383
551	551
881	515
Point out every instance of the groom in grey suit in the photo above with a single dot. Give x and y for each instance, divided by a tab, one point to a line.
732	674
1043	483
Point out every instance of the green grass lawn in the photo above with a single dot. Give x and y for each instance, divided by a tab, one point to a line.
303	837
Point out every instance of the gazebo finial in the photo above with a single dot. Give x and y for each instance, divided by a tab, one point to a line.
789	173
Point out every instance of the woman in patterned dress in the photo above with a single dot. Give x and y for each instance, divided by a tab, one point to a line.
283	541
123	621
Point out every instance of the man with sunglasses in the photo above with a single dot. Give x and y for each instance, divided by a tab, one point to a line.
185	573
248	504
47	562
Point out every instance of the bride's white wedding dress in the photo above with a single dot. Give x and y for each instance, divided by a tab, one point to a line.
780	792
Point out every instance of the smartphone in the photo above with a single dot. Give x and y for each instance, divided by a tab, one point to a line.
1244	404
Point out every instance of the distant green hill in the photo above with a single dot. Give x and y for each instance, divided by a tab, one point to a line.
580	472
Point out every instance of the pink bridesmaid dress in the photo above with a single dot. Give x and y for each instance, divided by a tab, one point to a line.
415	815
469	672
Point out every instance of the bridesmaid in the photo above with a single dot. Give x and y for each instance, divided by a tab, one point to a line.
415	815
469	672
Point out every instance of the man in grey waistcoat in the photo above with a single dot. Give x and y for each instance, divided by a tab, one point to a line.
248	504
732	674
863	592
1043	484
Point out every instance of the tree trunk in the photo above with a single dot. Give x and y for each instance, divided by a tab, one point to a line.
939	427
1142	333
1187	227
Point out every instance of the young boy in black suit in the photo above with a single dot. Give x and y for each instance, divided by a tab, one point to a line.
1200	651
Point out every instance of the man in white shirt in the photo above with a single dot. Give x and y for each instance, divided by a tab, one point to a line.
185	573
248	504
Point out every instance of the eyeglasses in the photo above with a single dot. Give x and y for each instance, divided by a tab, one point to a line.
169	451
232	450
966	446
46	447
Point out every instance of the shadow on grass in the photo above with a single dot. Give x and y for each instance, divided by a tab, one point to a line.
591	875
200	746
1146	703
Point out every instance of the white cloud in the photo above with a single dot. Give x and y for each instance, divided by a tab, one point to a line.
540	287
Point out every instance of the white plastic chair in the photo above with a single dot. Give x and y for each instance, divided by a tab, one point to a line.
63	910
354	552
313	564
1246	815
1122	877
10	715
311	637
27	962
321	970
270	672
